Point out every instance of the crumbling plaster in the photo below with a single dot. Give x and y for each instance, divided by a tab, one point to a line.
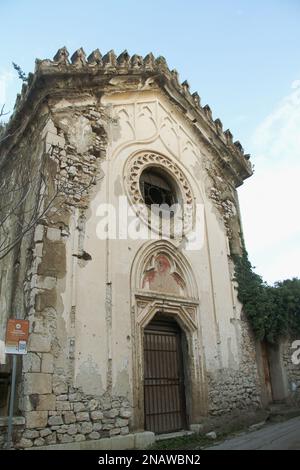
80	379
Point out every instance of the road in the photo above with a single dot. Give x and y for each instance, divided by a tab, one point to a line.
279	436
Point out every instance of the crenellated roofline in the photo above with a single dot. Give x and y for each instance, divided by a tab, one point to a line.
97	71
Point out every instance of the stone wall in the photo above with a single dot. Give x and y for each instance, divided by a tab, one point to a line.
17	431
292	369
231	389
72	416
76	382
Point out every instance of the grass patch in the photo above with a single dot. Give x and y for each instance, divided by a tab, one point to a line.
193	442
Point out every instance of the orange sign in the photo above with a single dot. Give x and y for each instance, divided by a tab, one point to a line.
16	338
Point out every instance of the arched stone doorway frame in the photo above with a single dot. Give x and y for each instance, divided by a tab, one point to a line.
185	311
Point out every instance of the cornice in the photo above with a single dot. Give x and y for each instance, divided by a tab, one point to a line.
96	73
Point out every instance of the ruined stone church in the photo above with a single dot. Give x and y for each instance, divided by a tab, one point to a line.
130	336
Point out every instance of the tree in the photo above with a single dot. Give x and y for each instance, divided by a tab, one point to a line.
27	193
273	311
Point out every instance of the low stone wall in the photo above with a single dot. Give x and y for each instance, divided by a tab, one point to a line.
74	418
139	440
236	389
230	390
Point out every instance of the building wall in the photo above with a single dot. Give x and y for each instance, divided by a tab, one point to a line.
290	354
82	377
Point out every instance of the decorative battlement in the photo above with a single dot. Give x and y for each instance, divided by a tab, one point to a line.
101	69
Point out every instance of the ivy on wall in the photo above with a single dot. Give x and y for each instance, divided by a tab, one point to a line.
273	311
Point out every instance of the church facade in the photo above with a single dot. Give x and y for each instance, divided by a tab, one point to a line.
135	325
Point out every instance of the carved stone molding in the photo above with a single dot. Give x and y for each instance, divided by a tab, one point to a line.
132	173
186	316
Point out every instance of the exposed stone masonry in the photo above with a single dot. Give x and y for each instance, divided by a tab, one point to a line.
76	382
73	417
293	370
231	389
78	171
102	69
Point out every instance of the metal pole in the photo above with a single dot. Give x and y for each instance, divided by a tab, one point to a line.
11	402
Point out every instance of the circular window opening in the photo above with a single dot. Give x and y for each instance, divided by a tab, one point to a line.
157	187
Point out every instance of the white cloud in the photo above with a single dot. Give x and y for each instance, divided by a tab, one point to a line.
270	199
278	136
295	84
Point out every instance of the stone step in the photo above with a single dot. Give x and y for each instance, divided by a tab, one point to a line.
172	435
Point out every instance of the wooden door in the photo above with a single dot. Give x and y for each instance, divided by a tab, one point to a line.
164	396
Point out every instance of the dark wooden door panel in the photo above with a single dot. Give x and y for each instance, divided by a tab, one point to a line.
163	381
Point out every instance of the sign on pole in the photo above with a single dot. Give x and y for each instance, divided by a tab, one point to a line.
16	338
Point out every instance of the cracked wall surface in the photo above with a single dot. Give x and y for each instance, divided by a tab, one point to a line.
82	376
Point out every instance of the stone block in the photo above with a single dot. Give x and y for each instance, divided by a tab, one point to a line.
107	427
124	430
211	435
125	413
51	438
45	299
60	429
69	417
111	413
47	363
63	397
45	282
31	362
93	405
25	443
39	233
55	421
122	442
74	397
72	429
63	406
86	428
39	343
79	406
37	383
142	440
45	432
196	428
120	422
46	403
97	426
96	415
64	438
82	416
53	234
39	442
59	385
36	419
31	434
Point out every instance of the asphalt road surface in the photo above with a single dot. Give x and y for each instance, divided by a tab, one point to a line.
279	436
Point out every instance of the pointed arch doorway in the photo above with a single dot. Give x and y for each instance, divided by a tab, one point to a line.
164	378
162	280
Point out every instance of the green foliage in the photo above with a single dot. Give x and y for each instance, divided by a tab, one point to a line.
22	75
273	311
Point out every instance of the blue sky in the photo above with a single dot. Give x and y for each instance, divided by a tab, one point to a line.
241	56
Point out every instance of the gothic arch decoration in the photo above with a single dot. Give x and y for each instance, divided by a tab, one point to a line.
163	275
133	169
159	267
